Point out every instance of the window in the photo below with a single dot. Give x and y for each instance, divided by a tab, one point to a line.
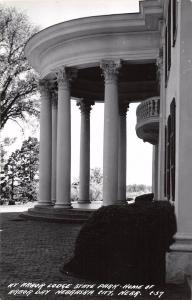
166	72
174	20
170	33
170	137
168	191
165	164
169	36
172	146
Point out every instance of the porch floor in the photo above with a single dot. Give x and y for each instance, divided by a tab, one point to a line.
34	251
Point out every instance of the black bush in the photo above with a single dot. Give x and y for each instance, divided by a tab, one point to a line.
145	198
125	244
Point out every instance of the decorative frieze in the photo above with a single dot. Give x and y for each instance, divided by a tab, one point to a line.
110	70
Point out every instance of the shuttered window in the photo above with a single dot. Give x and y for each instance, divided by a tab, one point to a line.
169	35
170	148
174	20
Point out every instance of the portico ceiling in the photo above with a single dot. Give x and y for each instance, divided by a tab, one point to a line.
136	82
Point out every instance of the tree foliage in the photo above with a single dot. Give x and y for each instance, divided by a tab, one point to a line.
19	177
96	186
17	79
133	188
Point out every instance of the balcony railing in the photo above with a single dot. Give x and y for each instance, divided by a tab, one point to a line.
148	109
147	127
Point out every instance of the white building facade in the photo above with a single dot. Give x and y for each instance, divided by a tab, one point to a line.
120	59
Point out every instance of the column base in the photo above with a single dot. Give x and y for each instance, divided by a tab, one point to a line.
53	201
61	205
43	204
179	260
83	201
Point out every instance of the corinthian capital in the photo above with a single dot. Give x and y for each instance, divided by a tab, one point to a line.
44	89
43	85
65	76
110	69
123	108
54	97
85	107
159	63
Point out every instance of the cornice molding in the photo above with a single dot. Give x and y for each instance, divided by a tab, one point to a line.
44	49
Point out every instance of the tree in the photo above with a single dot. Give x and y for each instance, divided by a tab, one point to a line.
28	168
20	174
17	79
96	175
9	180
5	143
96	184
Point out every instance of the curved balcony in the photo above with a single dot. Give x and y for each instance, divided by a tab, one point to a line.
147	127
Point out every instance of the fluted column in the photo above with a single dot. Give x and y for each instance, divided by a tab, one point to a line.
122	155
111	128
45	146
54	145
84	152
63	186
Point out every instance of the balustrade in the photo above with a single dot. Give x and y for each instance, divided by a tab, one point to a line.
148	108
147	127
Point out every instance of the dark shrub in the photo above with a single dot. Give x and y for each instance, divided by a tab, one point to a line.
145	198
125	244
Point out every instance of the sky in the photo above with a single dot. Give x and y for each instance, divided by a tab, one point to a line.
44	13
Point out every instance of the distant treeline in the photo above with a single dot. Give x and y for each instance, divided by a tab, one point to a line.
132	188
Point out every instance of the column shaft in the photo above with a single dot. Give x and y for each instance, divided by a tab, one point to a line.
45	146
84	153
63	186
122	157
54	148
111	133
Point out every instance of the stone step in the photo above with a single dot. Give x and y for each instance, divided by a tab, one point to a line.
60	215
61	210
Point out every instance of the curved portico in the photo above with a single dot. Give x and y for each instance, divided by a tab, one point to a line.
113	59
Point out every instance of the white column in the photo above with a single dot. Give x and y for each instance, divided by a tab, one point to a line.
84	152
155	171
111	132
45	146
54	146
122	155
63	186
